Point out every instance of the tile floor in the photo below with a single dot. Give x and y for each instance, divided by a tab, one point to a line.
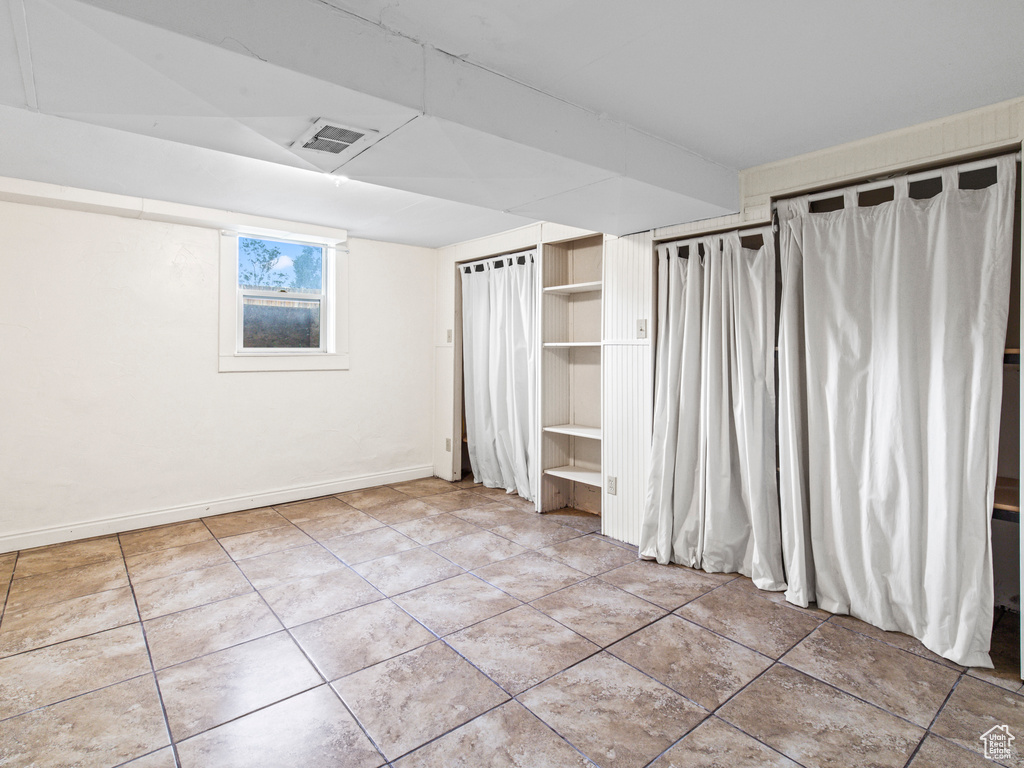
435	624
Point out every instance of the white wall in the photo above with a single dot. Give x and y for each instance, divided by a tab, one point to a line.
114	415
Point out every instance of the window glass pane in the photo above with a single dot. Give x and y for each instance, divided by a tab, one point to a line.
280	323
271	264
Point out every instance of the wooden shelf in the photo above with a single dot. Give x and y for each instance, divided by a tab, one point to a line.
570	344
564	290
577	475
1008	494
1007	501
576	430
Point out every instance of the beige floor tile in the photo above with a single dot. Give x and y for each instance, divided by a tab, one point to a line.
264	542
48	675
598	611
425	486
236	523
317	596
742	582
669	586
56	622
506	737
371	498
937	753
162	758
312	509
529	576
477	549
520	648
455	500
279	568
97	730
1005	653
536	532
905	684
973	708
311	730
897	639
213	689
339	524
198	631
406	570
402	511
167	562
63	585
369	545
409	700
716	744
585	522
491	516
467	482
436	528
6	574
494	493
589	554
59	557
187	590
449	605
348	642
819	726
615	715
748	618
164	537
689	659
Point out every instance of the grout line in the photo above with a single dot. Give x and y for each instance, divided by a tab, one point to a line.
152	666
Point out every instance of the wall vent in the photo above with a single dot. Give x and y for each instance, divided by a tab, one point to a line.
326	141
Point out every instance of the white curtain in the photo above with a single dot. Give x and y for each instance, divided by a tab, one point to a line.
712	498
890	387
499	333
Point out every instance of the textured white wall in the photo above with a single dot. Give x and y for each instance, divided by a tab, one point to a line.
114	414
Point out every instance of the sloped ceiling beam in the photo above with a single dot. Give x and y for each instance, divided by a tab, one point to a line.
316	39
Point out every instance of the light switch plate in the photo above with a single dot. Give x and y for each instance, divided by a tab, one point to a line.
641	328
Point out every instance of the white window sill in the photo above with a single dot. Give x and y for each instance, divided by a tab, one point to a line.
283	362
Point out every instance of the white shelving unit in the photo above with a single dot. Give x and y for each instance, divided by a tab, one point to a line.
570	374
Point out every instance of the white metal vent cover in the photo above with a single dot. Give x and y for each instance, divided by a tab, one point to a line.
330	143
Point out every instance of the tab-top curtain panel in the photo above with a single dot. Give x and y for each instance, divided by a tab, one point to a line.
890	364
712	499
499	332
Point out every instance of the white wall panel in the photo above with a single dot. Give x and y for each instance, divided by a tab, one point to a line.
628	286
628	382
628	411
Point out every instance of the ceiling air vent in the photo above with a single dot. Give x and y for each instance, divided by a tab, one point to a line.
333	139
328	144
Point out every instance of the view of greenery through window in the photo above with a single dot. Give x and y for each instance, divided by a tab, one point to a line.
270	265
279	267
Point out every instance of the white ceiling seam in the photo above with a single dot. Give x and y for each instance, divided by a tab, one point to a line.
19	26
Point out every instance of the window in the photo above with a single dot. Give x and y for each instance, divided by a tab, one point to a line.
279	296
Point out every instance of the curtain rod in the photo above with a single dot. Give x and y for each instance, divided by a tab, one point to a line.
880	182
495	256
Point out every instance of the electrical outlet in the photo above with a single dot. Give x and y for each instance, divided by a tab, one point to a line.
448	444
613	483
449	335
641	328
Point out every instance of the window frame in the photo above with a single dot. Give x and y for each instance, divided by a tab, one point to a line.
333	351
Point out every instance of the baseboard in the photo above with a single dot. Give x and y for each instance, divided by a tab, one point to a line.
91	528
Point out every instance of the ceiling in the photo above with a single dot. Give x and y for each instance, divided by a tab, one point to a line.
616	117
